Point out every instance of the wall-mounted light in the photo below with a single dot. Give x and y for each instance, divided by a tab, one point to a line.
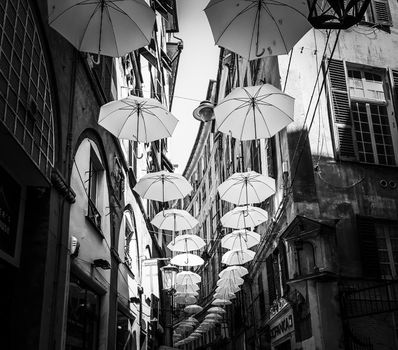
169	273
102	264
205	112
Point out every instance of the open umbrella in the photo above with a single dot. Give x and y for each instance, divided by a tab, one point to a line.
213	315
187	288
258	28
107	27
185	299
187	259
163	186
254	112
188	277
232	281
186	243
218	302
245	188
225	295
138	119
238	257
216	309
233	272
227	290
240	239
193	309
242	217
174	220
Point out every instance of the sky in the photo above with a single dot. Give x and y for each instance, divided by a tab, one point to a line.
198	64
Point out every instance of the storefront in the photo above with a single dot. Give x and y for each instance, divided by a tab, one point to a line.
281	327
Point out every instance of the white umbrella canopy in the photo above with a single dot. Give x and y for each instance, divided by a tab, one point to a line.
187	259
185	299
163	186
254	112
233	281
192	288
188	277
240	239
233	272
213	315
237	257
219	302
247	187
216	309
174	220
108	27
186	243
227	290
258	28
137	119
193	309
242	217
225	295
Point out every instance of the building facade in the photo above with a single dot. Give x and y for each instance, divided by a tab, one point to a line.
78	257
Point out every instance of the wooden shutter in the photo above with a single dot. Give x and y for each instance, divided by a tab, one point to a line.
340	108
394	86
381	12
270	279
368	246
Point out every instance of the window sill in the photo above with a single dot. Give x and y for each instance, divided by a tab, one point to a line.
94	225
383	27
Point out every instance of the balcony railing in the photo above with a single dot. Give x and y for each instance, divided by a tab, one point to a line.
93	215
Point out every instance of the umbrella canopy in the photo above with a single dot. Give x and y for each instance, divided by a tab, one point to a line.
186	243
218	302
193	309
245	188
192	288
233	281
254	112
227	290
174	220
106	27
213	315
185	299
258	28
187	259
137	119
233	272
188	277
238	257
241	217
224	295
163	186
240	239
216	309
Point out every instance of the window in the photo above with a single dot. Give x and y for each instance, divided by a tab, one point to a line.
306	257
378	13
363	114
124	340
261	296
387	248
95	174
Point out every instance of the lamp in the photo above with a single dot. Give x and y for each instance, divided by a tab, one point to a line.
205	112
169	273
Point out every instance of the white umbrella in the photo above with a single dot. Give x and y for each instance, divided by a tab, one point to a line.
185	299
187	259
254	112
163	186
188	277
213	315
224	295
242	217
138	119
190	288
227	290
240	239
247	187
174	220
216	309
233	281
107	27
218	302
186	243
238	257
193	309
258	28
233	272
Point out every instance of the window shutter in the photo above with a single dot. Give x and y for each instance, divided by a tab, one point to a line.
270	279
381	11
368	246
340	107
394	78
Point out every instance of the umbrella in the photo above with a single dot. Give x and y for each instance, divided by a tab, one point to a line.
187	259
241	217
187	277
238	257
258	28
227	290
163	186
213	315
254	112
247	187
106	27
138	119
218	302
224	295
233	281
185	299
216	309
186	243
193	309
174	220
233	272
240	239
187	288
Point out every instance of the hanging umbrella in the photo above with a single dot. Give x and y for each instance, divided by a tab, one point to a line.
245	188
237	281
225	295
193	288
137	119
193	309
185	299
258	28
187	259
240	239
238	257
254	112
233	272
163	186
174	220
242	217
188	277
216	309
186	243
227	290
218	302
107	27
213	315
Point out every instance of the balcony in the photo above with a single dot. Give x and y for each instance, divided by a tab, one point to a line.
93	216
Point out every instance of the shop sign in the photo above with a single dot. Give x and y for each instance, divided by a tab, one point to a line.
282	326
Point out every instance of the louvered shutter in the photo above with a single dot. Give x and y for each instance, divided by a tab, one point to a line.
381	12
270	279
368	246
394	80
340	108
